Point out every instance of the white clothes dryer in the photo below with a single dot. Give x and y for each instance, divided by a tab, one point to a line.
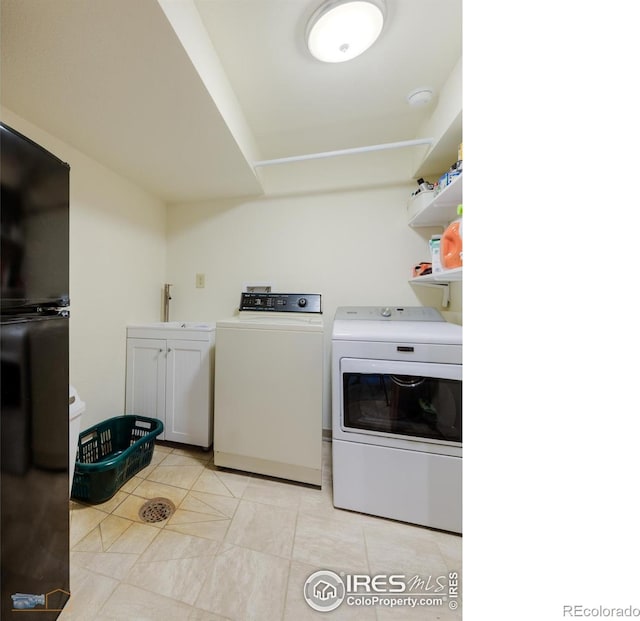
397	415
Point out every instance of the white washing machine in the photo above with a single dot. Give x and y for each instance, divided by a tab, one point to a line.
397	415
268	387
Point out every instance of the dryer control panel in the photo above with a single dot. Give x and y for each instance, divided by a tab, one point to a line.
389	313
281	302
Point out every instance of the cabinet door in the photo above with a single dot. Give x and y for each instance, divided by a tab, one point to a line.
146	371
188	406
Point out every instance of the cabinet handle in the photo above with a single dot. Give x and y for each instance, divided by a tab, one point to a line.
168	349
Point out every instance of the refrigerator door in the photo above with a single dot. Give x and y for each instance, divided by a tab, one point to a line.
34	463
35	225
34	356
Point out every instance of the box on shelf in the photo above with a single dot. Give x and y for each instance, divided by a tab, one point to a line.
434	246
443	181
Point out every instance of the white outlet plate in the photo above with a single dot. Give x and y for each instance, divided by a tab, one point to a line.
199	281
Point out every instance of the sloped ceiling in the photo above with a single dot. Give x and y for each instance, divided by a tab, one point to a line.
185	96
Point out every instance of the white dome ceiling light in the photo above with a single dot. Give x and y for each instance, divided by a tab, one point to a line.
340	30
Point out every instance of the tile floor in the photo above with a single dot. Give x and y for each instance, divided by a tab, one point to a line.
237	547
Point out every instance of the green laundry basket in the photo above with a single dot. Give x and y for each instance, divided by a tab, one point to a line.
110	453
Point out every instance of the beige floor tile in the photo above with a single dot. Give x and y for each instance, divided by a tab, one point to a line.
91	542
214	530
131	602
170	545
195	451
178	476
245	584
392	548
83	520
212	482
276	493
180	578
327	478
263	528
238	547
135	539
234	480
214	504
451	548
151	489
205	615
89	591
185	459
158	447
329	544
320	503
157	458
183	516
114	565
111	529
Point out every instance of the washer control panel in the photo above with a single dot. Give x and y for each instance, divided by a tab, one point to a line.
281	302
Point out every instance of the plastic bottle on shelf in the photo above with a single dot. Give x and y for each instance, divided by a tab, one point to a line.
451	244
423	186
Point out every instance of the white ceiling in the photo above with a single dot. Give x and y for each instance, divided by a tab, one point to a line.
183	96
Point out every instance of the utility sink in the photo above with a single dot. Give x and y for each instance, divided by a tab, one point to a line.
190	330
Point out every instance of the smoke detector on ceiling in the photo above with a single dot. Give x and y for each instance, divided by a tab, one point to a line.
420	96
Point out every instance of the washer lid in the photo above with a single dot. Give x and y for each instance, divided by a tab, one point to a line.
249	320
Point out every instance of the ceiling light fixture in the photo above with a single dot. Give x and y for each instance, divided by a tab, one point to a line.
340	30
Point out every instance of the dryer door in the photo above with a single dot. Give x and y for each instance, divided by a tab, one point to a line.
405	400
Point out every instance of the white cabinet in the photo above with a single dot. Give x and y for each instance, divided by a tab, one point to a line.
170	377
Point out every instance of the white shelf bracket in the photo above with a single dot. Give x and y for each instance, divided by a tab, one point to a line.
446	298
445	295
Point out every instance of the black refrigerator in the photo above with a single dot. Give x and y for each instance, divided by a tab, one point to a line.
34	352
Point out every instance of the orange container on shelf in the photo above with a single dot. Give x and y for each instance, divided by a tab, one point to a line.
451	244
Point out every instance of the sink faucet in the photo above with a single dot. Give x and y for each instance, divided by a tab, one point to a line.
167	297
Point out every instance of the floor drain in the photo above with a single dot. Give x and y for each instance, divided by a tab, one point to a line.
156	510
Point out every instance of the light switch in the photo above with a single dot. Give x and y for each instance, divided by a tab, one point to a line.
199	281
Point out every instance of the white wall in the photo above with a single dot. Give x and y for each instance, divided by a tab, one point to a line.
353	247
117	267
